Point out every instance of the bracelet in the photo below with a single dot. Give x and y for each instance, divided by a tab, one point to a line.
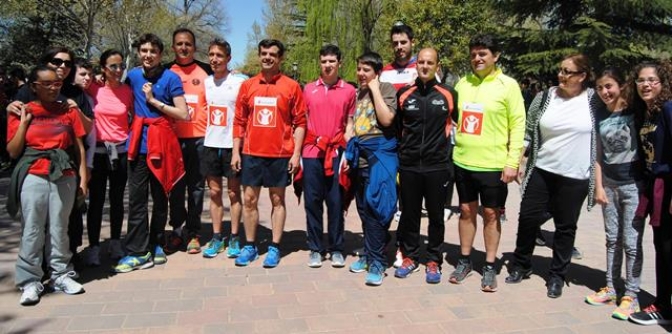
162	105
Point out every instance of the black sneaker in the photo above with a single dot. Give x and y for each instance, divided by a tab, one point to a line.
652	315
462	271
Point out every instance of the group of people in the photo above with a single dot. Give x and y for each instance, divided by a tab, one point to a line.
401	136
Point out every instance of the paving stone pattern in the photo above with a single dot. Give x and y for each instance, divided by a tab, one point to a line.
191	294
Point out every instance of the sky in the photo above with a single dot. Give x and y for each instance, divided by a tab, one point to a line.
242	13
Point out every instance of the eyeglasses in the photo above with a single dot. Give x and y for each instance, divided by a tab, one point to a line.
58	62
566	73
50	84
116	67
650	81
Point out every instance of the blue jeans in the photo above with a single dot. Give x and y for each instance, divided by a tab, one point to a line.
319	189
375	231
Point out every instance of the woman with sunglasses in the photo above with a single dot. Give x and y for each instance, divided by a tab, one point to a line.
651	95
112	105
560	173
44	183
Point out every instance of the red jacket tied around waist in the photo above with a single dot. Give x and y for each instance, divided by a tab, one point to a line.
164	155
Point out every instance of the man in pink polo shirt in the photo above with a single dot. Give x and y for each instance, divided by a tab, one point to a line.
331	104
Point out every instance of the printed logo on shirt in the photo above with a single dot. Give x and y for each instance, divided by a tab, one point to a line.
265	111
192	104
195	82
438	102
472	119
217	115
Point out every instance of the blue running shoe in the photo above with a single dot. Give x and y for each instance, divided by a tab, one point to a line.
432	273
376	274
407	267
247	255
130	263
272	257
234	247
360	265
159	256
212	248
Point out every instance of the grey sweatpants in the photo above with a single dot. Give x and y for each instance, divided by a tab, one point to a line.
44	203
624	233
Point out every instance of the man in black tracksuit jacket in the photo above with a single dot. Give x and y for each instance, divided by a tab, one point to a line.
425	114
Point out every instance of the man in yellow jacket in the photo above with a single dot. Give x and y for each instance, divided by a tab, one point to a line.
489	141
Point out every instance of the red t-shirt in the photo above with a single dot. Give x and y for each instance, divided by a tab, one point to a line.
267	114
47	130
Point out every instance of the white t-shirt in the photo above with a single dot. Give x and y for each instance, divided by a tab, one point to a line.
221	98
565	137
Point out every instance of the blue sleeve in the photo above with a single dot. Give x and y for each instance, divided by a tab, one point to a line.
667	114
176	88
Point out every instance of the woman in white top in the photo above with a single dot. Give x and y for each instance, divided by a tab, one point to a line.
560	173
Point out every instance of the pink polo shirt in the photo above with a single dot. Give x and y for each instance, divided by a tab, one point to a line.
328	110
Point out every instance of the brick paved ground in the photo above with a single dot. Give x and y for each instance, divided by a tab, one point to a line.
191	294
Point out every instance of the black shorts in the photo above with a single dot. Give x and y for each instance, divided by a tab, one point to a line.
487	185
265	172
216	162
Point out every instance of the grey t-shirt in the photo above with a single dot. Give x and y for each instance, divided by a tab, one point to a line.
618	138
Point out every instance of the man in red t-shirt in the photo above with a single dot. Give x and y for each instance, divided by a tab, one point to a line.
191	133
270	124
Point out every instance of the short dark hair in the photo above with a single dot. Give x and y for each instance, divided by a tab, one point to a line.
184	31
34	73
331	49
222	43
401	28
82	63
148	38
18	73
267	43
107	54
372	59
485	41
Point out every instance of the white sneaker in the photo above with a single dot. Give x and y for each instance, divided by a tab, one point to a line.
397	216
66	284
446	214
31	293
92	256
116	251
398	259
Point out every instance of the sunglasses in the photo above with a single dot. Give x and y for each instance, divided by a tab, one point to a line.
50	84
58	62
565	72
116	67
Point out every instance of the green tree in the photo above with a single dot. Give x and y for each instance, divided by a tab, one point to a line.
615	32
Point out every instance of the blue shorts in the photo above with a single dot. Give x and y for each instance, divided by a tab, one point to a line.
265	172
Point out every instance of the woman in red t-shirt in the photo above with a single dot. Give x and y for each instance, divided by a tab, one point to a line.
41	137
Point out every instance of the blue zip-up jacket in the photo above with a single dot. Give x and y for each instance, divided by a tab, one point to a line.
381	193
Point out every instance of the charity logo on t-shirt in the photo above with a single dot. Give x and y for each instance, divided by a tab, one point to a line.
265	111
